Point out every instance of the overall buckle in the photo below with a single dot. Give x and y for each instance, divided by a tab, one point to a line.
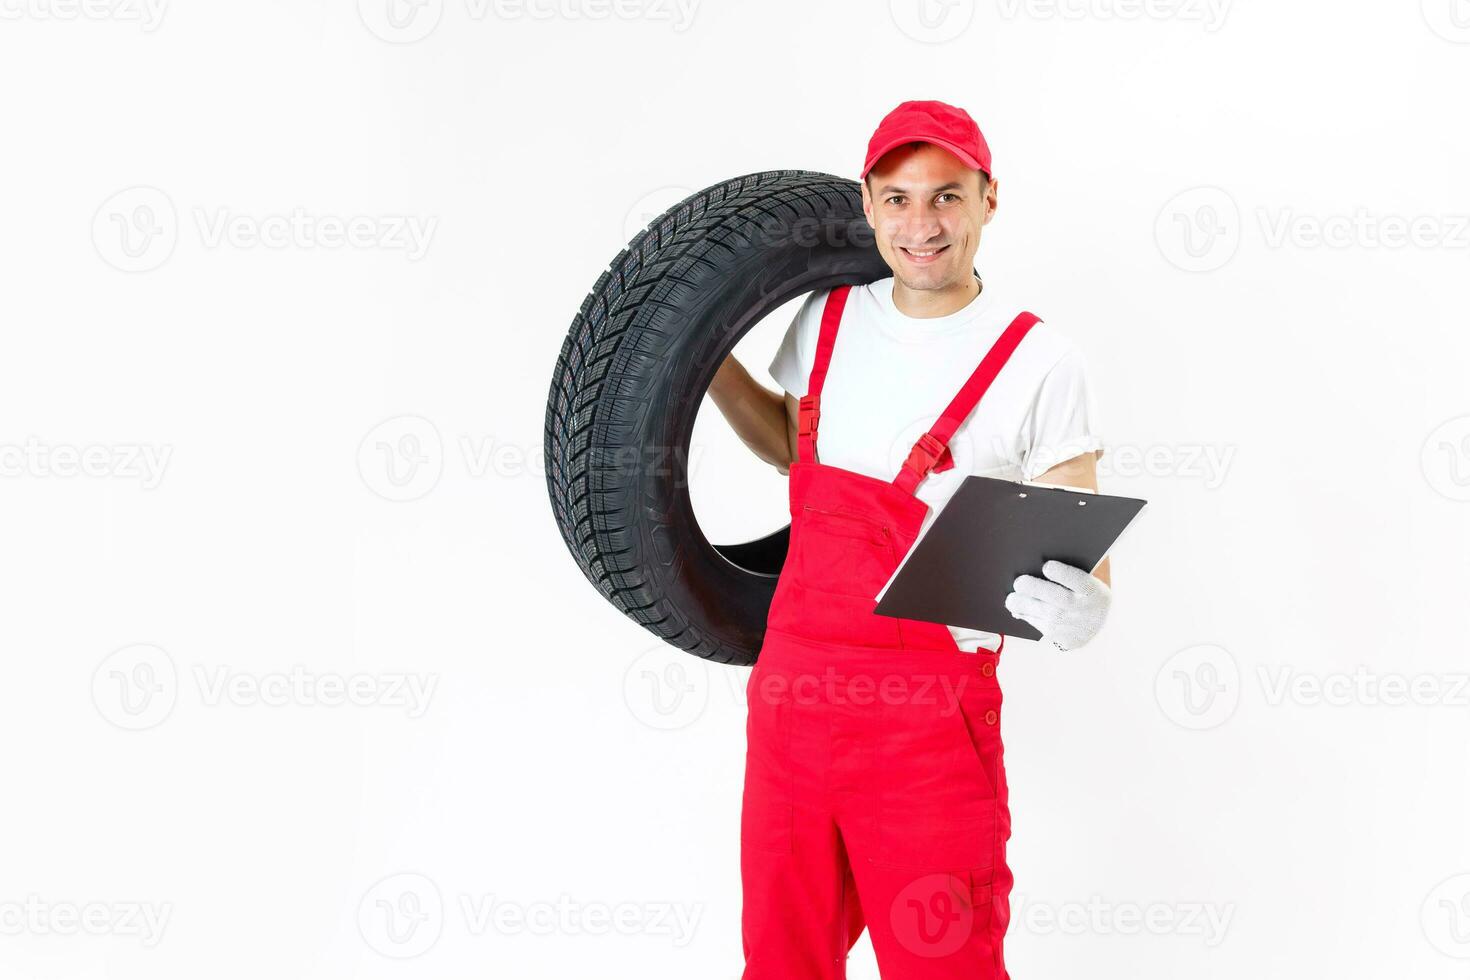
807	415
926	453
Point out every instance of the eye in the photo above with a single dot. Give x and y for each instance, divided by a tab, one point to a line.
896	197
947	194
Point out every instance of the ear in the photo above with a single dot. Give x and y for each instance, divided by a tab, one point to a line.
867	204
990	200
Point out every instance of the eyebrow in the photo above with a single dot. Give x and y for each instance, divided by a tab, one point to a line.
952	185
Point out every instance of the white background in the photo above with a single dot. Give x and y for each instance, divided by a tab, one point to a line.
1151	161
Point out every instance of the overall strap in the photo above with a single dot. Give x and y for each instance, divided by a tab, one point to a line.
931	452
810	403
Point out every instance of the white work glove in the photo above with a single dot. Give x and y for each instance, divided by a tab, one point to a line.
1069	609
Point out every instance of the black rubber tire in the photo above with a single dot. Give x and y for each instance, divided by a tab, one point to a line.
632	373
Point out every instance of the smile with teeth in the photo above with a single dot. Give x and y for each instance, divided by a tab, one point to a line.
923	254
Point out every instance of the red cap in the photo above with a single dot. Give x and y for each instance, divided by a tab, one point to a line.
939	123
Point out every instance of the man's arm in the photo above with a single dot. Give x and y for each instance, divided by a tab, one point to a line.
1079	471
763	419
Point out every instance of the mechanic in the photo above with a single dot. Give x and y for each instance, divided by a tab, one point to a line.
880	802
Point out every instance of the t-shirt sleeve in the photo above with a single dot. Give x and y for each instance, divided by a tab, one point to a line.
792	365
1062	422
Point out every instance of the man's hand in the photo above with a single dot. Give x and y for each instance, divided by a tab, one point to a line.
1068	606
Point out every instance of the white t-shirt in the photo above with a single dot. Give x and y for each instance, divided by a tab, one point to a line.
891	375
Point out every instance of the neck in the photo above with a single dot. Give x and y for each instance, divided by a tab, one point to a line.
923	304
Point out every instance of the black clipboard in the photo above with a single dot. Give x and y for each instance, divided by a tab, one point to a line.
963	567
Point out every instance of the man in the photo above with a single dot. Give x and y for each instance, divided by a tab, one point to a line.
875	791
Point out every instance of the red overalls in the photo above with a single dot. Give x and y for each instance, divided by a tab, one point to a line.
874	789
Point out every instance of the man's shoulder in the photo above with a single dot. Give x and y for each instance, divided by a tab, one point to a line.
1046	343
808	320
875	289
816	300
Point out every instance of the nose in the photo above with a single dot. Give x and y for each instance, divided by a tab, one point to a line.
921	226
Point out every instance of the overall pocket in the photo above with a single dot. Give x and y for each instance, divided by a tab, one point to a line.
936	915
937	809
978	707
842	554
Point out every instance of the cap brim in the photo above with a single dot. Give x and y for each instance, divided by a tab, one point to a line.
943	144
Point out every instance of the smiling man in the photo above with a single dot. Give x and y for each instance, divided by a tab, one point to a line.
881	802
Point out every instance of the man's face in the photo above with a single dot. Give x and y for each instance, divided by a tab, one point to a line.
926	210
